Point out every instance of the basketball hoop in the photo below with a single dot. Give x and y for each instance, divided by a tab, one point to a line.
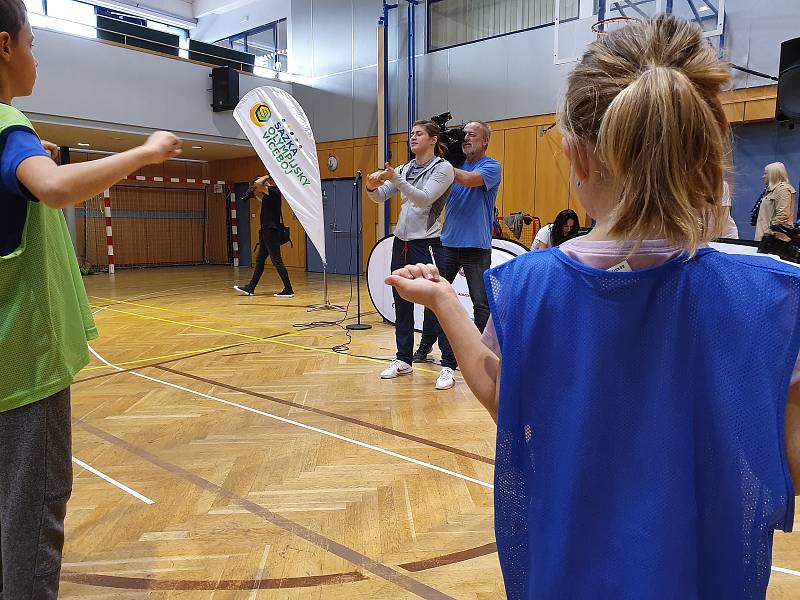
600	28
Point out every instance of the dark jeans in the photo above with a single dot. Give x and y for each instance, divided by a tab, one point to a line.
269	244
475	262
408	253
35	484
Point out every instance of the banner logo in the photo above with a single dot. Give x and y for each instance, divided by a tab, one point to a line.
284	146
260	114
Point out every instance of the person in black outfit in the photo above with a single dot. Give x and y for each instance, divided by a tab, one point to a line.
269	241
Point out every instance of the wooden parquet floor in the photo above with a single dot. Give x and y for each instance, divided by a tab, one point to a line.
266	464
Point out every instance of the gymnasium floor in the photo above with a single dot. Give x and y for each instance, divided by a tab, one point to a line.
261	464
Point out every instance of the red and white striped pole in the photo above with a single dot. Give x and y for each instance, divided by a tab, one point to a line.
234	226
109	231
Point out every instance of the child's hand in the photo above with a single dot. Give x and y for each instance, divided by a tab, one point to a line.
162	146
421	284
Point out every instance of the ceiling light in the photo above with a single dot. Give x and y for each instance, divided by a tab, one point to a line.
703	9
197	147
84	144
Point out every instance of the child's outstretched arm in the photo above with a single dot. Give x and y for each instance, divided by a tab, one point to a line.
65	185
422	284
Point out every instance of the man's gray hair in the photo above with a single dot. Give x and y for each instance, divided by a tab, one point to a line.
487	131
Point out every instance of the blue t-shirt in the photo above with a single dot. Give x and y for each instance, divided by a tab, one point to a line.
470	211
17	146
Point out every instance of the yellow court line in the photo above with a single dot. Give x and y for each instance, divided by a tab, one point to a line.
176	354
261	339
176	312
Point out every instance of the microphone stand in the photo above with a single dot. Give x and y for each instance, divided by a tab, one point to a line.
358	326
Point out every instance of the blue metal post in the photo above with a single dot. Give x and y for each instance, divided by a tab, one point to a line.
386	208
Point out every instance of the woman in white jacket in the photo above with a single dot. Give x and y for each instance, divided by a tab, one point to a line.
424	184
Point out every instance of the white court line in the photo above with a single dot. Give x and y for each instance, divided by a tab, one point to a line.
302	425
113	481
787	571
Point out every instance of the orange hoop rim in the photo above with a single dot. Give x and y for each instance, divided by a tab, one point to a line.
597	26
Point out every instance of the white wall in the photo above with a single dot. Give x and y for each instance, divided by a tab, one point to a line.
86	81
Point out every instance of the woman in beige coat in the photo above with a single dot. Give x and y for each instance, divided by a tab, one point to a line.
777	205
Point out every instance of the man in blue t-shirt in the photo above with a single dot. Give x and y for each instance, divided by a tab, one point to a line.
467	233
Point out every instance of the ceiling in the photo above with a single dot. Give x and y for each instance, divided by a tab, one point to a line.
118	141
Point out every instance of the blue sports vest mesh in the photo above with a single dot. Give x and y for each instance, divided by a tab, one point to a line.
640	449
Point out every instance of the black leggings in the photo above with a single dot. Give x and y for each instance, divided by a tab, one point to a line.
269	244
411	253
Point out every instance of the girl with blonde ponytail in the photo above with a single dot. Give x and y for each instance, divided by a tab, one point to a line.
638	454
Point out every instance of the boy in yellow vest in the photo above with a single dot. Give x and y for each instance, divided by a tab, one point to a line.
45	320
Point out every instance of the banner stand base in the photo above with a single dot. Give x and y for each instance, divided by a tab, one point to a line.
312	307
326	305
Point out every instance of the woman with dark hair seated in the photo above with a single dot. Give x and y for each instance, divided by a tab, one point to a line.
565	226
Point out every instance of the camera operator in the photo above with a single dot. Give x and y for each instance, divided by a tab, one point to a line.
467	234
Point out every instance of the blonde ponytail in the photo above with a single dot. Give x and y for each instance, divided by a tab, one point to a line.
646	98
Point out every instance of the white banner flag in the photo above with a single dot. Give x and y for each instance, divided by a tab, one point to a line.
278	129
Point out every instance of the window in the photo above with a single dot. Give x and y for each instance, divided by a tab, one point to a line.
80	18
456	22
35	6
119	16
267	43
68	16
183	34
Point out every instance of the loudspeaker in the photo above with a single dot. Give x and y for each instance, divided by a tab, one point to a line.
224	88
788	106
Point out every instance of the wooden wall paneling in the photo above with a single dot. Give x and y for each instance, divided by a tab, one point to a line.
152	170
519	170
399	152
552	175
254	214
760	110
194	170
344	157
217	224
365	158
294	255
496	150
734	112
174	168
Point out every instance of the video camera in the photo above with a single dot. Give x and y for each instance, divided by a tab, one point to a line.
452	138
787	250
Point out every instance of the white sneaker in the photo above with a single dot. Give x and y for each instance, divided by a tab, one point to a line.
446	379
243	289
396	368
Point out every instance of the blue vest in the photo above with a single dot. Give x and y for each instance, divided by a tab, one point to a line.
640	445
